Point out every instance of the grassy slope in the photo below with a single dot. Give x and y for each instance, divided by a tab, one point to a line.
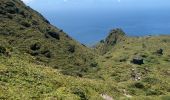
21	27
23	76
116	65
20	79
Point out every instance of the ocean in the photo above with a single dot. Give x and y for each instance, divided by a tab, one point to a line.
92	23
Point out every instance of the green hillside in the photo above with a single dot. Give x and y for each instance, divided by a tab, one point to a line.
41	62
24	30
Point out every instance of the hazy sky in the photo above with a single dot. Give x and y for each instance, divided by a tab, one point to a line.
50	5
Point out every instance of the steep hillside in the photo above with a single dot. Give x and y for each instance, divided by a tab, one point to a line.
23	30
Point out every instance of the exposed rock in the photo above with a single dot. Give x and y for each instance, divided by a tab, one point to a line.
126	94
106	97
135	75
138	60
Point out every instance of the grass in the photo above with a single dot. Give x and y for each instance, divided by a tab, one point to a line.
40	61
116	66
20	79
28	27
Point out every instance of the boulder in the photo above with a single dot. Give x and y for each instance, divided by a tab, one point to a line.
138	60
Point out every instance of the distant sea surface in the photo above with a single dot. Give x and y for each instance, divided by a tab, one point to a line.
90	25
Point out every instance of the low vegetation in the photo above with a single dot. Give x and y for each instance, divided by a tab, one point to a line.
40	61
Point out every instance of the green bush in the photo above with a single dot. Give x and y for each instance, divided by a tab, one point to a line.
139	85
71	48
35	46
94	64
53	34
80	92
2	49
25	23
150	80
153	92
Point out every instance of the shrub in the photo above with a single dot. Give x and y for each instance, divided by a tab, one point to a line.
80	93
53	34
2	49
24	14
35	46
34	53
159	52
2	11
25	23
151	80
123	58
71	48
101	41
11	8
61	30
94	64
34	22
139	85
153	92
47	53
10	16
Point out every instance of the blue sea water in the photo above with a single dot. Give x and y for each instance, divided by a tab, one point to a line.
88	22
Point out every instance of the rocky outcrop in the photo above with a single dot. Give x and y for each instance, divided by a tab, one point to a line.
115	36
137	60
